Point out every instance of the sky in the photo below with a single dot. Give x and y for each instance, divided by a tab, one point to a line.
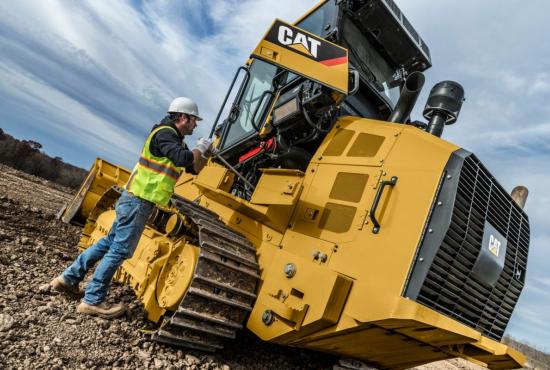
88	79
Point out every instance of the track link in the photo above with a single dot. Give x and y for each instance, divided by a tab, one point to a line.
222	290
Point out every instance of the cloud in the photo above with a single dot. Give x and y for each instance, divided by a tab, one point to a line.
124	62
66	117
501	64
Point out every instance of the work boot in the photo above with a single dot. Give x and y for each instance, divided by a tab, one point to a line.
61	285
103	309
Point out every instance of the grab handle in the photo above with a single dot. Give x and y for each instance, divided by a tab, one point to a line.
372	213
262	98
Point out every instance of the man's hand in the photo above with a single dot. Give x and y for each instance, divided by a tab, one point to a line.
211	152
205	147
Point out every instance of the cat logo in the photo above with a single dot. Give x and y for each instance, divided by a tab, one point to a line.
298	41
305	54
306	44
494	245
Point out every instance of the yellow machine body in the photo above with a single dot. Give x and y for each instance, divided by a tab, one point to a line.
333	276
345	296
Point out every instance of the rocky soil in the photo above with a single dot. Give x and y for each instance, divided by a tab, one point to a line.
33	191
41	329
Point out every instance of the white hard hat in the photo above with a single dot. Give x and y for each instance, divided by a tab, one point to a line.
184	105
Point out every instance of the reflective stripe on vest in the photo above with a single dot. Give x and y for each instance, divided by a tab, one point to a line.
154	178
160	168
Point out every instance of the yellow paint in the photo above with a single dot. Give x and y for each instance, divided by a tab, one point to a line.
101	177
278	187
216	177
176	275
305	302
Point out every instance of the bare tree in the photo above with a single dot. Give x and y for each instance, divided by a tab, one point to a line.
26	155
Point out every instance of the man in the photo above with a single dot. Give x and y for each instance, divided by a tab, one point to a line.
163	158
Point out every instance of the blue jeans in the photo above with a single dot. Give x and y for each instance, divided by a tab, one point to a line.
131	215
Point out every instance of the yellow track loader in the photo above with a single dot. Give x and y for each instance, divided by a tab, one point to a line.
329	220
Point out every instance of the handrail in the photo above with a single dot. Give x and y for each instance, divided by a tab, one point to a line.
253	119
247	76
372	213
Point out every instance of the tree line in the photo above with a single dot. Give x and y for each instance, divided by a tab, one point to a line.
538	358
27	156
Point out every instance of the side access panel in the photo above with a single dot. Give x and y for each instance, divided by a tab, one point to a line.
297	297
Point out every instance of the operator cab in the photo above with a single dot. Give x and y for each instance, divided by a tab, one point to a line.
279	117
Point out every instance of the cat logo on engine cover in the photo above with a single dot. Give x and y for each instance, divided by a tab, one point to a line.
491	256
494	245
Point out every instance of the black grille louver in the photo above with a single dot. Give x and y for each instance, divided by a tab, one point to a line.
442	277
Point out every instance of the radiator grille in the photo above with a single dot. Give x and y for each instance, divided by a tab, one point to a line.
449	286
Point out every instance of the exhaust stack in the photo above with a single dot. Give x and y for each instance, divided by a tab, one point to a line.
411	89
443	106
519	195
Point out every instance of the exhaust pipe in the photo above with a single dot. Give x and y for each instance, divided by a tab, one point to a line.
411	89
519	195
443	106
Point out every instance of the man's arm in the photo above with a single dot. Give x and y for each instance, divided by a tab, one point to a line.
166	143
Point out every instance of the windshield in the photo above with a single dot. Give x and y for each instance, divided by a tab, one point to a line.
260	81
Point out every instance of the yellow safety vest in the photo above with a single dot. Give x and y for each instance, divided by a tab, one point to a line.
154	178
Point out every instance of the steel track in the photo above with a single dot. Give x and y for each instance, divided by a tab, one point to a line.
222	291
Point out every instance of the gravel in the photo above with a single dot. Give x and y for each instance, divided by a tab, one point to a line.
40	328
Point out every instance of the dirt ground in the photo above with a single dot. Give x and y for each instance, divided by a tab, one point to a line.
41	329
